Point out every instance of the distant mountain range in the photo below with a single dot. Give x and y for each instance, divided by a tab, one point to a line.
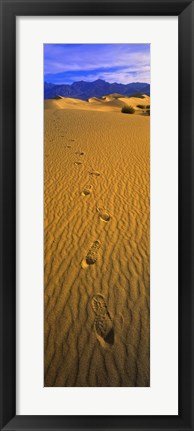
84	90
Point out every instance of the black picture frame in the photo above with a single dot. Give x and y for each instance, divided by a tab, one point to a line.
9	10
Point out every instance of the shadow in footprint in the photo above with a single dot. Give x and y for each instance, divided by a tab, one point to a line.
94	173
87	191
103	322
78	163
91	256
79	153
103	214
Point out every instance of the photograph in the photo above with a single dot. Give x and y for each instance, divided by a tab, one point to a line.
97	215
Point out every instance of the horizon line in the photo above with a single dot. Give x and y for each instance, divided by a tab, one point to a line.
90	82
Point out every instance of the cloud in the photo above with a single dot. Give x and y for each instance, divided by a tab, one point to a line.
112	62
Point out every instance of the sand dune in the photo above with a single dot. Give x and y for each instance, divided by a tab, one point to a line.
95	100
97	104
135	101
96	239
111	96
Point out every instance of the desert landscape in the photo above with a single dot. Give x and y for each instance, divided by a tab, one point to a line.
97	242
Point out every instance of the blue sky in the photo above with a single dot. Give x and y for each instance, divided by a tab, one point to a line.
122	63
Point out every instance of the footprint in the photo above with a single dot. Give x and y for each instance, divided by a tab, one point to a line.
121	320
91	256
68	146
94	173
103	214
71	140
86	191
103	322
80	154
78	163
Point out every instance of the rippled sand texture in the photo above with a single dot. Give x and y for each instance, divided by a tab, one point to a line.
96	250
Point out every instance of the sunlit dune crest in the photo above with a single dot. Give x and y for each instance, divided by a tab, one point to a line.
106	103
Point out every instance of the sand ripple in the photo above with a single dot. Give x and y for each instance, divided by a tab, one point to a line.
97	258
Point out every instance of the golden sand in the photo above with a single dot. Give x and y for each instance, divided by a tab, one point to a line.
96	244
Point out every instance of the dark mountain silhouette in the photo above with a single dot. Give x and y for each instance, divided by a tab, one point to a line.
84	90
